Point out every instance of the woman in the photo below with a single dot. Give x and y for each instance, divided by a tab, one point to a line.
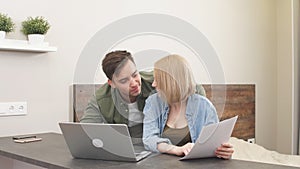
174	116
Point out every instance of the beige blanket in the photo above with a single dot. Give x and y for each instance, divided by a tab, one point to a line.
253	152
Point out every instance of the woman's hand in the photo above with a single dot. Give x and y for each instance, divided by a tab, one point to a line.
176	150
183	150
224	151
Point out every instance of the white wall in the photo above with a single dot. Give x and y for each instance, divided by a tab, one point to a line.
287	75
284	81
241	31
296	76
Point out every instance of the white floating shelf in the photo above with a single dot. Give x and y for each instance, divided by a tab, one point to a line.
23	45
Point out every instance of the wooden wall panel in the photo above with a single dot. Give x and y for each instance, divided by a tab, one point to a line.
235	99
229	100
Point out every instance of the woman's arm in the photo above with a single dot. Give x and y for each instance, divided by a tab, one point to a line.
152	124
176	150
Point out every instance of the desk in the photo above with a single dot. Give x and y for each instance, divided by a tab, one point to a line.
52	152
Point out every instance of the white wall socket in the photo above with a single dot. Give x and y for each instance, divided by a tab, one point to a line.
251	140
13	108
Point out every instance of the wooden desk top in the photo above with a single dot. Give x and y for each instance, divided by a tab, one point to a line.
52	152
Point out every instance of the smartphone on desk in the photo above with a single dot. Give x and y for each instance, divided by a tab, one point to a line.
26	139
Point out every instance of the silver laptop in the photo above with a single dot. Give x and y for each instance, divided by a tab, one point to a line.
101	141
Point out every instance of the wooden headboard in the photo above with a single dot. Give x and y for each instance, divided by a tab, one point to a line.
238	99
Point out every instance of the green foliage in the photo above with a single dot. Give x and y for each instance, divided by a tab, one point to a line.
37	25
6	23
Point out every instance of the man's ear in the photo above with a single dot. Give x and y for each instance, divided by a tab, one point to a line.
111	83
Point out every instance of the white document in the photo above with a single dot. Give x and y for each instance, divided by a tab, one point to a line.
210	138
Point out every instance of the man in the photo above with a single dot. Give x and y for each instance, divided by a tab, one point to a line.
122	98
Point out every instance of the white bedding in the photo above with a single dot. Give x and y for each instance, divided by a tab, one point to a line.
253	152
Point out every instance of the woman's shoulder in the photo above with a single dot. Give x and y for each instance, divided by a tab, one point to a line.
196	98
155	99
155	104
153	96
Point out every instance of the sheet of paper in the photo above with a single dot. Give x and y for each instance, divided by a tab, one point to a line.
210	138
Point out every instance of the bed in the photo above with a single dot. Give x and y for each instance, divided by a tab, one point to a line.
254	152
229	100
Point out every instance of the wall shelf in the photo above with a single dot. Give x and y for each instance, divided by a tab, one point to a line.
23	45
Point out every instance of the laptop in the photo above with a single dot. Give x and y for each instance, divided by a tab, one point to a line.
101	141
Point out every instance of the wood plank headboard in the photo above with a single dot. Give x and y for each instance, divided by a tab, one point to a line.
238	99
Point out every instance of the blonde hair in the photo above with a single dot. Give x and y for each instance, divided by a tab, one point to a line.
174	78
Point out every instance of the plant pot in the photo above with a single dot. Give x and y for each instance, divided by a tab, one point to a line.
2	35
36	39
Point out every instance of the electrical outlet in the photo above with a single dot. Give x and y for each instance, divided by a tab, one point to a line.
251	140
13	108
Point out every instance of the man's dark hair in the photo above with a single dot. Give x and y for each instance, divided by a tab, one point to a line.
114	61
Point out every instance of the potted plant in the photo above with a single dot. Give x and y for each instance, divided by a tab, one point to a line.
35	29
6	25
